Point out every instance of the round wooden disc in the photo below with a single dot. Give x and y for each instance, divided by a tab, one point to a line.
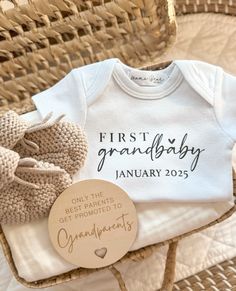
93	223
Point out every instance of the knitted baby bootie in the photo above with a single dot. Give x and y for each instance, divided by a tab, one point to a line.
59	142
28	187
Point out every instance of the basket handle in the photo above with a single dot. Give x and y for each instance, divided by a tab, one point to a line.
169	273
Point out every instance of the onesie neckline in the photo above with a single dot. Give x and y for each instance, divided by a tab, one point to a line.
146	92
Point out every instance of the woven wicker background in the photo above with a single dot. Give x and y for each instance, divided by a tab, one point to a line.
41	41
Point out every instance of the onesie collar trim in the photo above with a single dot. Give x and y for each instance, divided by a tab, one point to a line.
196	73
168	80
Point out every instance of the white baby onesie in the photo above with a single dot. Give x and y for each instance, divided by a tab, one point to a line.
164	135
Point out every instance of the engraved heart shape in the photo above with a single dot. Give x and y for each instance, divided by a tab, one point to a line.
171	140
101	252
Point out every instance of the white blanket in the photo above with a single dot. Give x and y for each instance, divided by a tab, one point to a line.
197	33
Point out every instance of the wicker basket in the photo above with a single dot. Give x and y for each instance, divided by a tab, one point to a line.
41	41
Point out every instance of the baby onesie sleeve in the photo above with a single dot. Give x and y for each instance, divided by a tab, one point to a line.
225	103
67	97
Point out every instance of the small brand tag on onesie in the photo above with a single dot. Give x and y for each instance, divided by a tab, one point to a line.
145	78
93	223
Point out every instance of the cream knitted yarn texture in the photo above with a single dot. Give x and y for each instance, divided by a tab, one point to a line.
61	143
12	129
28	191
8	164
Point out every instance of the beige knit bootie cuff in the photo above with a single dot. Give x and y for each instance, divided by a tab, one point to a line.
11	165
12	129
63	144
